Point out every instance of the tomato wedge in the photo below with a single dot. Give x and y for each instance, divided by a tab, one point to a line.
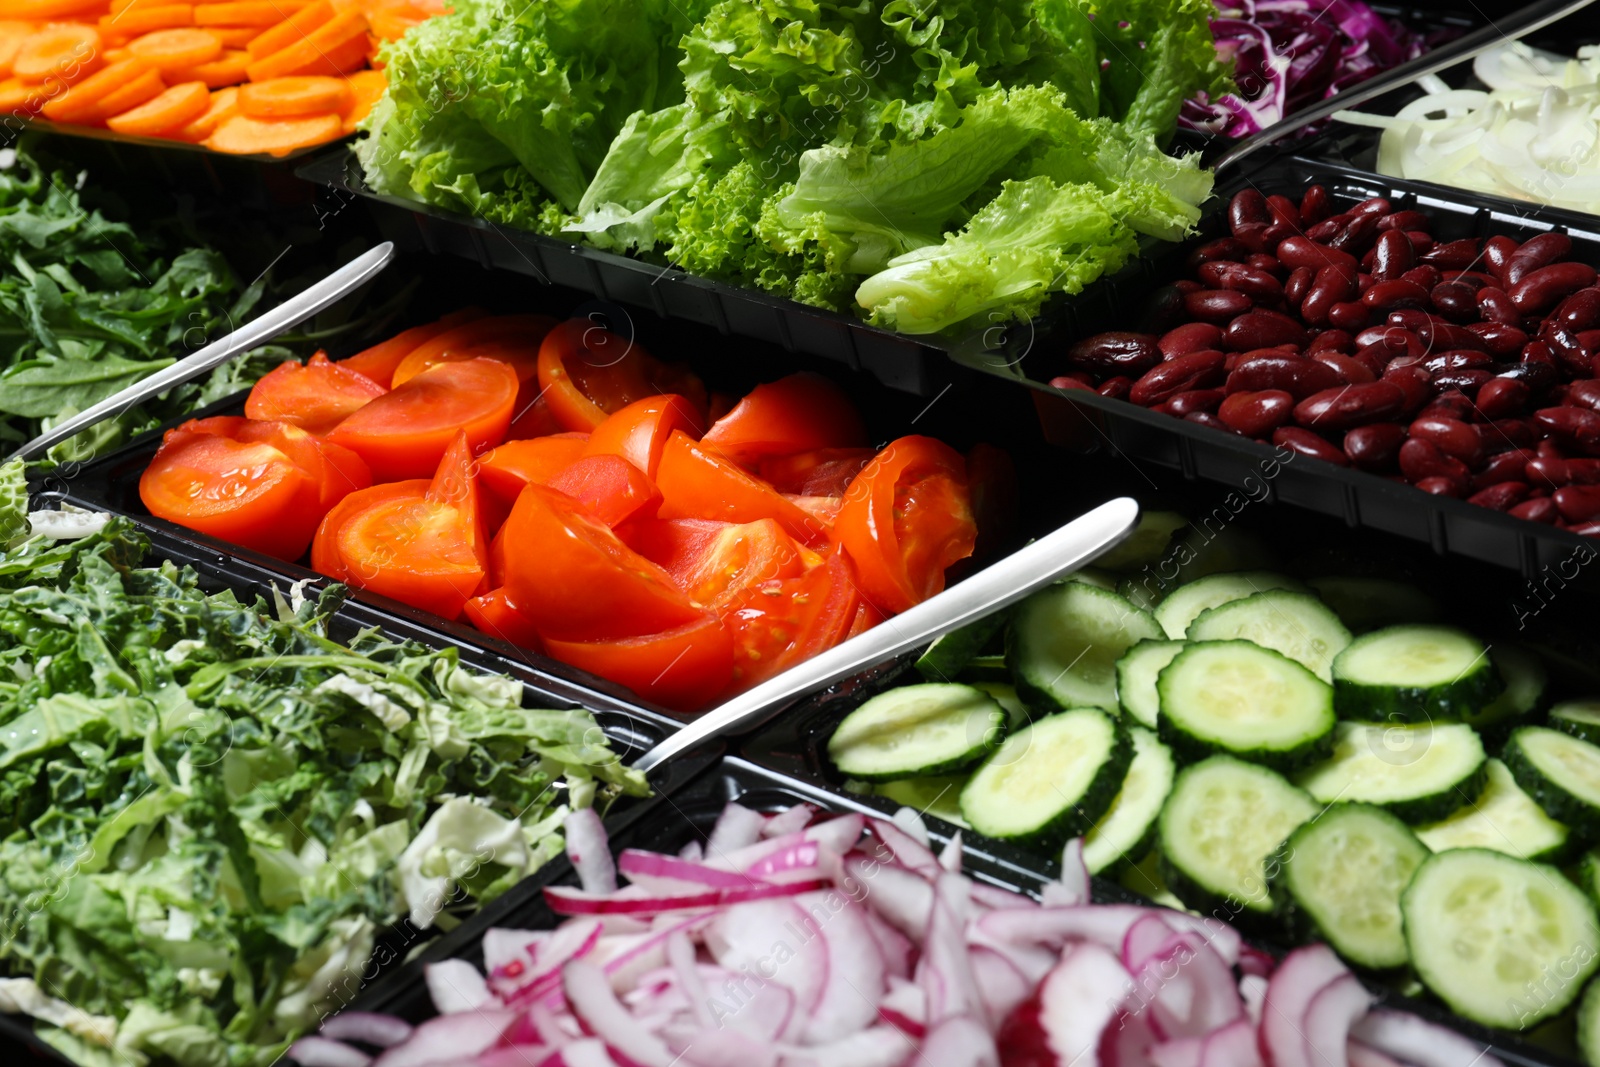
325	558
696	483
587	372
683	669
799	413
819	472
784	621
576	581
497	616
611	488
714	562
533	417
379	361
506	468
639	432
905	518
404	433
511	339
316	396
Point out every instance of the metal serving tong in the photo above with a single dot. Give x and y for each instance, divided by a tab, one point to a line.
1524	21
996	586
252	334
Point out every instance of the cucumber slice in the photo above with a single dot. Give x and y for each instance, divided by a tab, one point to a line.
1296	624
1005	694
1223	821
1239	698
939	795
1136	678
1142	592
1589	1024
1184	604
1065	642
1589	874
1418	773
1414	674
1094	576
1127	830
1343	873
1504	819
1580	718
986	669
917	730
1560	772
1147	544
1524	676
1050	781
1502	941
1372	603
1145	878
946	657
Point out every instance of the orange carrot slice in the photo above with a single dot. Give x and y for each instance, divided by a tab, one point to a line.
227	69
177	49
79	102
146	86
233	36
116	55
243	135
43	10
262	13
294	28
165	112
65	50
12	34
287	98
366	87
18	95
139	20
223	105
337	47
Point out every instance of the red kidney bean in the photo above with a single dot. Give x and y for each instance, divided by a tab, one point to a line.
1542	288
1255	284
1335	340
1495	306
1205	418
1468	380
1262	328
1577	429
1497	252
1577	503
1357	236
1451	403
1503	434
1197	370
1370	359
1500	339
1252	236
1413	382
1115	353
1421	243
1547	470
1298	285
1421	458
1116	388
1502	496
1541	251
1452	437
1375	206
1301	251
1437	334
1192	400
1589	339
1314	205
1268	264
1456	302
1334	410
1583	471
1580	311
1370	259
1308	444
1409	319
1453	255
1298	377
1247	205
1349	314
1256	414
1333	285
1392	256
1223	248
1284	210
1375	446
1217	305
1548	449
1326	229
1567	349
1509	466
1456	359
1403	220
1349	370
1473	279
1442	486
1502	397
1542	510
1186	286
1190	337
1272	236
1067	381
1425	275
1584	394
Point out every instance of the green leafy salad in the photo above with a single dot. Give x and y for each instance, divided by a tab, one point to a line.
212	816
929	163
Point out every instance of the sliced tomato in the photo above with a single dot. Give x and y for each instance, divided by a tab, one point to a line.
325	558
577	581
819	472
497	558
338	471
511	339
822	509
404	433
905	518
996	498
533	417
866	618
696	483
683	669
613	489
639	432
495	614
784	621
587	373
316	396
715	562
800	413
379	361
506	468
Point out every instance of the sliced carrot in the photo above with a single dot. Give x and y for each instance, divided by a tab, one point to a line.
12	34
366	87
223	105
243	135
79	102
234	36
136	21
175	107
227	69
64	50
18	95
338	47
287	98
43	10
262	13
146	86
294	28
116	55
177	49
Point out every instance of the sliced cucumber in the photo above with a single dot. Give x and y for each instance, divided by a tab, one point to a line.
1050	781
1414	674
1142	591
1184	604
1560	772
939	796
1145	878
1296	624
1136	678
916	731
1371	603
946	657
1502	941
1589	1024
991	668
1223	821
1524	676
1005	694
1580	718
1147	544
1418	773
1126	831
1065	642
1239	698
1504	819
1589	874
1343	873
1094	576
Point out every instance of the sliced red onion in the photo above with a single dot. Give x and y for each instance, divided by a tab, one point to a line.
508	954
1337	1007
838	835
856	974
959	1042
1144	939
737	827
701	1047
1416	1041
564	900
950	855
1177	1052
694	852
895	948
570	940
448	1039
906	849
945	969
456	986
1074	873
799	857
590	851
635	863
790	821
648	951
1362	1056
680	954
589	1052
1290	991
881	1046
1127	1041
516	1056
901	897
1252	960
1104	924
910	820
992	896
1080	997
1194	991
905	1007
367	1027
766	939
1234	1045
1253	991
589	992
1001	986
321	1052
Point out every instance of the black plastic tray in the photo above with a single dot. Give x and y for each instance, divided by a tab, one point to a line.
673	822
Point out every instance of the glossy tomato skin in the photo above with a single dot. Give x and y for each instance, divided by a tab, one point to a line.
613	489
507	467
495	614
715	562
906	518
338	471
683	669
639	432
698	483
800	413
404	433
577	581
511	339
819	472
325	557
784	621
587	372
316	396
379	361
